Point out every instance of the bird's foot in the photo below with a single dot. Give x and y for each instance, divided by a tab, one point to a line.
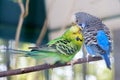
88	57
72	62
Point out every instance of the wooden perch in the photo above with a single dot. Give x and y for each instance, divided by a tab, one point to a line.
45	66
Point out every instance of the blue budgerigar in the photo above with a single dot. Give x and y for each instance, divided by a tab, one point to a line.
97	37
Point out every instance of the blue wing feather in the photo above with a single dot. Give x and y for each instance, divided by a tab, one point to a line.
102	40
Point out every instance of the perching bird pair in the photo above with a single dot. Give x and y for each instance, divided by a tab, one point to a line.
87	29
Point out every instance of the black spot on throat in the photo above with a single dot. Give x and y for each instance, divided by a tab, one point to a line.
78	39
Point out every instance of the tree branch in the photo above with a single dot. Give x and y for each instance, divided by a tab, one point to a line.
44	27
23	14
45	66
19	23
43	31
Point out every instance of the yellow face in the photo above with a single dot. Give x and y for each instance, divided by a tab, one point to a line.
75	34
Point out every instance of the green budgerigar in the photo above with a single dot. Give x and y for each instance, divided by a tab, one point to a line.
61	49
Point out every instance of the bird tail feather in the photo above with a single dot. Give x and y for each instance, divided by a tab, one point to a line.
46	56
15	51
107	61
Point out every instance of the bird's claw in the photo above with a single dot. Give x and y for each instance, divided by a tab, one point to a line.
72	62
88	56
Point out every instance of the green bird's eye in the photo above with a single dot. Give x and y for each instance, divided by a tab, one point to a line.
74	33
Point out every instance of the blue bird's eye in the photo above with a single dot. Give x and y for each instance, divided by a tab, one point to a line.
77	21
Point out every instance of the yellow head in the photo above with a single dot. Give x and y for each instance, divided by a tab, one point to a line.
74	34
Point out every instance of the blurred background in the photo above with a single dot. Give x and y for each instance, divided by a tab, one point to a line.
39	21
